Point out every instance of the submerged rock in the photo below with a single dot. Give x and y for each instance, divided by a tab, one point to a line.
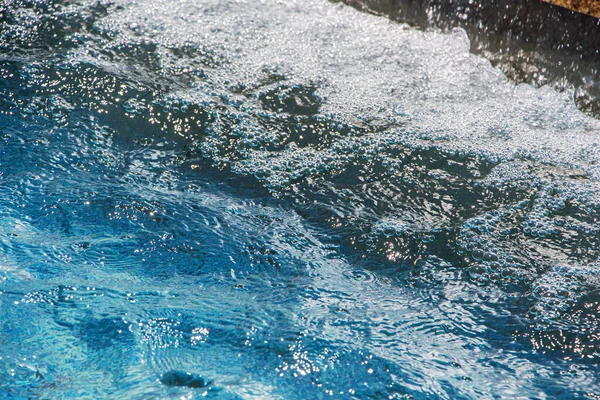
182	378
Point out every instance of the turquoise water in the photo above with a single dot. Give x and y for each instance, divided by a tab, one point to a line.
282	199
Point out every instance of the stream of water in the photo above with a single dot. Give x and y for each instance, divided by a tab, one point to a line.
286	200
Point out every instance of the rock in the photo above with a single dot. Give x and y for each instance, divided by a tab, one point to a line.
182	378
590	7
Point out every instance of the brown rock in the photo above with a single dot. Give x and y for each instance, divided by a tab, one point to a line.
591	7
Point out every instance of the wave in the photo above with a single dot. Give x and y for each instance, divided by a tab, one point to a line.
320	173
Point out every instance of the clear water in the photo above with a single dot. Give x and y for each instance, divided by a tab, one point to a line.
286	199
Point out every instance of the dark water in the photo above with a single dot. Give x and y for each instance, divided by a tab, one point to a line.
286	199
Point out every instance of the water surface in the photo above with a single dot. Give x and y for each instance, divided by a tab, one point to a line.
286	199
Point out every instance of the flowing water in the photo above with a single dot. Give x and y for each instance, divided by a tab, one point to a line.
288	200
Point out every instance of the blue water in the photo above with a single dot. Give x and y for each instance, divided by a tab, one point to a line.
286	200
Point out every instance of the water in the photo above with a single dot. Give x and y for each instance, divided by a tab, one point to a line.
284	199
530	42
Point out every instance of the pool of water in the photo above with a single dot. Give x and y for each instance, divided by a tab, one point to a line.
288	200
